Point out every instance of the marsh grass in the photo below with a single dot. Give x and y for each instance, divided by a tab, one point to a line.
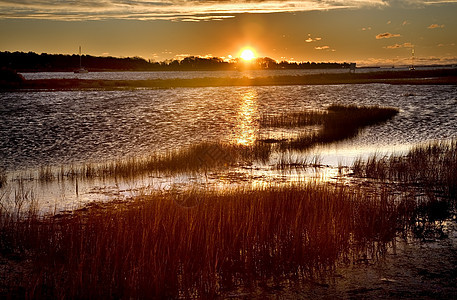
294	119
205	243
288	160
338	123
235	239
432	170
17	212
432	166
3	178
196	158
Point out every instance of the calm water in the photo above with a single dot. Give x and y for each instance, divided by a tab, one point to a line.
173	74
61	127
196	74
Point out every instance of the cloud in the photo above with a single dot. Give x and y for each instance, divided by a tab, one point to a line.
415	3
188	10
396	46
366	28
310	39
322	48
435	26
405	23
387	35
446	45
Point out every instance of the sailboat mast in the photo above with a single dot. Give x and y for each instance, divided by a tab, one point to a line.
412	57
80	66
81	69
412	60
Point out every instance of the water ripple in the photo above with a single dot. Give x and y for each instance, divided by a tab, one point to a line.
54	127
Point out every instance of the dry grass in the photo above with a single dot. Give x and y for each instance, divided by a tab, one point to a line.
295	119
338	123
196	158
432	170
204	244
197	244
3	178
336	115
432	166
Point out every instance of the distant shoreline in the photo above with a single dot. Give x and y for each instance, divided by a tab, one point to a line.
417	77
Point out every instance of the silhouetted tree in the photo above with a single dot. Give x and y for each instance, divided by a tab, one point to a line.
32	62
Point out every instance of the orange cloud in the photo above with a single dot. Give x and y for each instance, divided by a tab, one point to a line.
445	45
322	48
387	35
396	46
309	39
434	26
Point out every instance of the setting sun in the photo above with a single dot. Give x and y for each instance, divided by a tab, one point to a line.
247	54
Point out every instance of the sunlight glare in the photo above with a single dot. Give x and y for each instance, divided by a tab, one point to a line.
247	54
247	128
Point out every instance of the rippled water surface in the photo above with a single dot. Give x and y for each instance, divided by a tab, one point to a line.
63	127
54	127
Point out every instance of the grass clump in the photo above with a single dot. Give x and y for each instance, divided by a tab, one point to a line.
196	158
338	123
432	166
292	120
432	170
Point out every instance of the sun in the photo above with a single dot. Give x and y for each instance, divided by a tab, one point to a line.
247	54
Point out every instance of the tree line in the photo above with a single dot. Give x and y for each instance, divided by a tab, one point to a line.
33	62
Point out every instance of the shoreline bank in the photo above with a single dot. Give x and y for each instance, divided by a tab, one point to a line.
441	77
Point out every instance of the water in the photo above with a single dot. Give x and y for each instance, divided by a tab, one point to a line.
173	74
71	127
201	74
55	127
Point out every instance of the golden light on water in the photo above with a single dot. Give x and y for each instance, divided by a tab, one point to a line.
247	127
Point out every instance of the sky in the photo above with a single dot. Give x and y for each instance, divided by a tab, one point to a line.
368	32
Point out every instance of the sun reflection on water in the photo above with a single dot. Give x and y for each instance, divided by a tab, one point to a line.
247	128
